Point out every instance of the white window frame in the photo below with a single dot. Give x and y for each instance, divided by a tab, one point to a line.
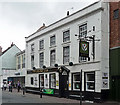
78	73
46	83
66	55
52	40
52	57
53	81
42	81
86	82
83	30
32	48
32	61
41	44
41	59
66	36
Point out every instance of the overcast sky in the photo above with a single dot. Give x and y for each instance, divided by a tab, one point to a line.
20	19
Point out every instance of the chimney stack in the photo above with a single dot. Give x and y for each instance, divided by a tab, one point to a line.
0	50
67	13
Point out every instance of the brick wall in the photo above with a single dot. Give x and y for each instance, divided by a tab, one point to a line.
114	25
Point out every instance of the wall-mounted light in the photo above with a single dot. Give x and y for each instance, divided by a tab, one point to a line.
56	65
70	63
44	66
34	68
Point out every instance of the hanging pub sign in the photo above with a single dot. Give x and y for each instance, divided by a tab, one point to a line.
84	49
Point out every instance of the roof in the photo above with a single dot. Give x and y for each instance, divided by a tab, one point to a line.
63	18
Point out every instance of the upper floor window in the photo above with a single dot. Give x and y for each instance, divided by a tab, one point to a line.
66	54
52	40
32	48
41	59
52	57
32	61
66	36
116	14
23	61
83	30
41	44
19	62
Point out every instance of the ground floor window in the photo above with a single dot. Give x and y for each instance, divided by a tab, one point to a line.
90	81
31	80
46	80
76	81
41	80
53	80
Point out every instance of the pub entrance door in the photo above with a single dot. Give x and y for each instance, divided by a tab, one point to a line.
63	82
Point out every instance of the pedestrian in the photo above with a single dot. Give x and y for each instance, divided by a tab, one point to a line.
18	86
5	86
10	86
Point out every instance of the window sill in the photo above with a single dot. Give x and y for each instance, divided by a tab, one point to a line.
67	42
52	46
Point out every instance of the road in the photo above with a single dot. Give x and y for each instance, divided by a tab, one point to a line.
9	98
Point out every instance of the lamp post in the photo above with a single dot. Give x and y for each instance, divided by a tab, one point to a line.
81	88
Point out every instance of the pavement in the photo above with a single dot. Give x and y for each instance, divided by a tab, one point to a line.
17	98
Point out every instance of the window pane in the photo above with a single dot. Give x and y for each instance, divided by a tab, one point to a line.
52	40
83	30
41	44
77	77
77	85
41	59
66	36
53	80
90	86
52	57
116	14
66	54
42	80
90	77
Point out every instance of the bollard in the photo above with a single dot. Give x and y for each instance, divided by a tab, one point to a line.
23	90
40	93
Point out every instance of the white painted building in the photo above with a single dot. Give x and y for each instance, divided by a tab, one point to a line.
57	44
8	62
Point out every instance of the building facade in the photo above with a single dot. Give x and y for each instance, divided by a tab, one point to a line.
114	51
20	73
8	63
71	55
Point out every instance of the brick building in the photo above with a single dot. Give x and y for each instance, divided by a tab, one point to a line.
115	51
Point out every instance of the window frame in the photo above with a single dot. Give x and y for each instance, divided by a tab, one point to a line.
116	14
32	80
41	44
66	55
83	30
73	81
42	80
85	82
66	37
52	62
32	61
32	48
52	42
50	80
41	59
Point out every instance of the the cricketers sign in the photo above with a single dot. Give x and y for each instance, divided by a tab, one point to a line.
84	49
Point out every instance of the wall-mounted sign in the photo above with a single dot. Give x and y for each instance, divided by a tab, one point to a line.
57	83
84	49
48	91
104	80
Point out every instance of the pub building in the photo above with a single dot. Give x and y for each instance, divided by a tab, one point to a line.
71	55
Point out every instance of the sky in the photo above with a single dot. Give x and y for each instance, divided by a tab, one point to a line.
21	18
